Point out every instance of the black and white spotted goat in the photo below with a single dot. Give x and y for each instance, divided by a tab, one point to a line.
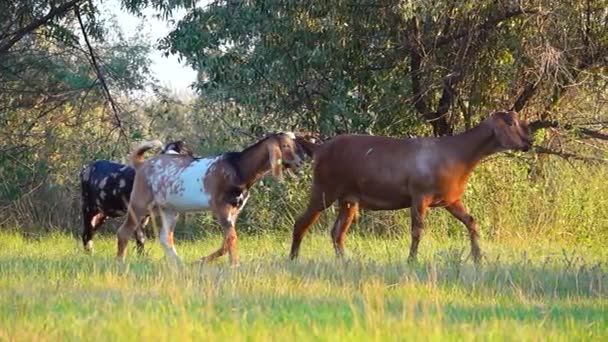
106	188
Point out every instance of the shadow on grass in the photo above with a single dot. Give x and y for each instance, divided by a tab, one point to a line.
550	280
558	279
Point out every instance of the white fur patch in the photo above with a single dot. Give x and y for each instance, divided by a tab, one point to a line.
290	134
171	152
231	219
86	173
424	157
184	189
244	198
96	219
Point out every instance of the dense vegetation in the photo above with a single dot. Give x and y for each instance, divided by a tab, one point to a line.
71	88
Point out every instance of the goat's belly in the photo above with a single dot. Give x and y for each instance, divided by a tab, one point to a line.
190	199
376	203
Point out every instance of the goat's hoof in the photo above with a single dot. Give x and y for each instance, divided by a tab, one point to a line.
88	247
342	257
204	261
477	262
235	265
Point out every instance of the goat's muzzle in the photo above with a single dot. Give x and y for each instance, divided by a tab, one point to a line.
526	144
293	165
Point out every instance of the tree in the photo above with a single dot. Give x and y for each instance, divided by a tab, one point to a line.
392	66
58	72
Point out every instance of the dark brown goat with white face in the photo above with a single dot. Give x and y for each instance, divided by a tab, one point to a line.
168	185
380	173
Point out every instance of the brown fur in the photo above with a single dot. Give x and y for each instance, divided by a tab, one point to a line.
380	173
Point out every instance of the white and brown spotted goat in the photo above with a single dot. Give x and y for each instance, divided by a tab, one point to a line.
167	185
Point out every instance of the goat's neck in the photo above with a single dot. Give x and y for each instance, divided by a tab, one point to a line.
476	144
253	163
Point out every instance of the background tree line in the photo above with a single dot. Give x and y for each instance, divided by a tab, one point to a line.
71	83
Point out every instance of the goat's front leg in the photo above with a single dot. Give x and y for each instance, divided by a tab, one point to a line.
418	212
319	201
458	210
226	216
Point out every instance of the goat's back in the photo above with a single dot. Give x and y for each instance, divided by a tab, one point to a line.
107	185
353	156
378	172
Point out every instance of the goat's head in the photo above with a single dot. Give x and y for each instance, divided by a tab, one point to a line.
284	152
306	142
176	147
511	132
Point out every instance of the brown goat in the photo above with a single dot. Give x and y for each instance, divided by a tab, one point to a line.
168	185
381	173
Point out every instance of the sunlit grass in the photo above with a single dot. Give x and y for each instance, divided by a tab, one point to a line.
526	290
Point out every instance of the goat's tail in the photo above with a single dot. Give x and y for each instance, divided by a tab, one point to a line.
137	156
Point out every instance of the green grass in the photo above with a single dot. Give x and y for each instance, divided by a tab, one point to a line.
526	290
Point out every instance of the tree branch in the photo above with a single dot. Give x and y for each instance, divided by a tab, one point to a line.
567	156
19	34
415	70
593	134
100	75
489	24
523	98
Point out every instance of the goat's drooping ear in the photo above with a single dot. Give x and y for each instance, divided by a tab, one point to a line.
275	156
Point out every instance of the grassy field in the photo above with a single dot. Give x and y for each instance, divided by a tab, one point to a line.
526	290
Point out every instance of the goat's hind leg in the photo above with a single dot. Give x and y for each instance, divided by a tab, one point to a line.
91	221
341	226
88	229
129	227
140	236
420	207
458	210
168	220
